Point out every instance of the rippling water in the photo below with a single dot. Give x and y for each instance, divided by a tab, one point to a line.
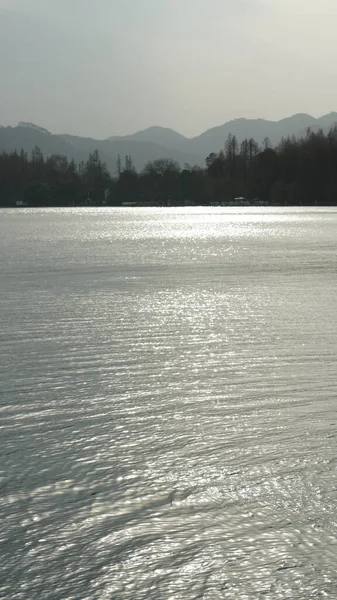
168	404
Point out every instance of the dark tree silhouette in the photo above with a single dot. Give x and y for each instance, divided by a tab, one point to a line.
298	171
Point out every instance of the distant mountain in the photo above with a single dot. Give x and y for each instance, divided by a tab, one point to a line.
15	138
259	129
141	150
213	140
158	142
159	135
326	120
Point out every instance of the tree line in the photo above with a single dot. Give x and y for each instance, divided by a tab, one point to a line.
297	171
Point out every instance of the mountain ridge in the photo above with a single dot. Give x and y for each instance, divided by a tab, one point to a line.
304	117
154	134
159	142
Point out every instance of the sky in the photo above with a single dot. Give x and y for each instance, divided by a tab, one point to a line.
112	67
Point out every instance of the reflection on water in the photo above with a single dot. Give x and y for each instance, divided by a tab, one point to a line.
168	404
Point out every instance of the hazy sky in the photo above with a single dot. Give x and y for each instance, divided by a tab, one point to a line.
106	67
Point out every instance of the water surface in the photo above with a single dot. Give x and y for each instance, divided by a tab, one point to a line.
168	404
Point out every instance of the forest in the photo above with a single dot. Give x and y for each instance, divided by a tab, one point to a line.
299	171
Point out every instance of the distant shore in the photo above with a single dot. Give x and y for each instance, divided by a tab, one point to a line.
149	205
298	172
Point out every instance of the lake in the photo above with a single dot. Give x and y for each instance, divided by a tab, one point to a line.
168	404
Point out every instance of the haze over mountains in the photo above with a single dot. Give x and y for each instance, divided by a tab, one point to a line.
159	142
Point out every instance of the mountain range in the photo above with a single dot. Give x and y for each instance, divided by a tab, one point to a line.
158	142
